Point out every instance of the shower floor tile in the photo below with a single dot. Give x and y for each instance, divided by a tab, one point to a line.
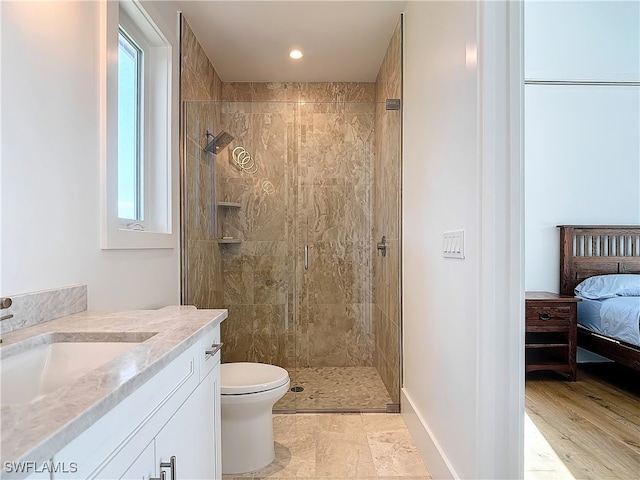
352	389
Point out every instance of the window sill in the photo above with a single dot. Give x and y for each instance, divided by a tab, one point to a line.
127	239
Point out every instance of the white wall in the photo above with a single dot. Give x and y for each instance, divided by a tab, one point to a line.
50	165
582	142
463	389
595	40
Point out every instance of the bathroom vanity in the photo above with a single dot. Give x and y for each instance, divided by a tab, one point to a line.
150	412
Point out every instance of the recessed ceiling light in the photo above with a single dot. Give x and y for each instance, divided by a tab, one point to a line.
295	54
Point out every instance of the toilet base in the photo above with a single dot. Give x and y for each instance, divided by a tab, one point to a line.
247	430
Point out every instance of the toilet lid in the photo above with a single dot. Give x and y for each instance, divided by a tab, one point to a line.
245	377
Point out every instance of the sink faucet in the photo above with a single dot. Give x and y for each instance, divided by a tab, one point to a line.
5	302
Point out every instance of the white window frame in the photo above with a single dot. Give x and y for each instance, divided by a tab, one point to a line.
159	141
137	39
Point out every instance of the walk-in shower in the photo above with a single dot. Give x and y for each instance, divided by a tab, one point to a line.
292	253
281	228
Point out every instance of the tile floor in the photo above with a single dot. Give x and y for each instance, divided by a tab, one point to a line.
336	388
342	446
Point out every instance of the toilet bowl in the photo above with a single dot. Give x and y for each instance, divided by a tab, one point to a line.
248	393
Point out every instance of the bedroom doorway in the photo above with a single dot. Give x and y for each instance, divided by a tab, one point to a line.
581	129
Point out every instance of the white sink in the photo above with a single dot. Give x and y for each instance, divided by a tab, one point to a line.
42	369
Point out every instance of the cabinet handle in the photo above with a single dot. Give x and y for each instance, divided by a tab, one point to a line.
171	465
215	348
163	476
544	316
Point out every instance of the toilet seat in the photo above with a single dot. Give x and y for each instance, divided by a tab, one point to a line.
243	378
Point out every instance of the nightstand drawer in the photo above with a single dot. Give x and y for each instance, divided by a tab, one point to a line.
550	339
552	316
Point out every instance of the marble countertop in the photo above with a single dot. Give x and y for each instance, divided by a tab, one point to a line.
37	430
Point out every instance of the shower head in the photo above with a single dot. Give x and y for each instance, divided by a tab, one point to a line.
218	143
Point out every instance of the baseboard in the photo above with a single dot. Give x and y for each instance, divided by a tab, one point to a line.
434	458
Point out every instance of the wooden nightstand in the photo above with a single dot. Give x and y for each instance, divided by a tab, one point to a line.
551	331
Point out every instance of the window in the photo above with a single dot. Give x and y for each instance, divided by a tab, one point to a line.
137	96
130	149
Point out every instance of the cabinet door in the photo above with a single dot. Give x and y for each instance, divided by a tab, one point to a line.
144	467
217	427
189	435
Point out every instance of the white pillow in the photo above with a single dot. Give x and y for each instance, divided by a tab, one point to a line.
600	287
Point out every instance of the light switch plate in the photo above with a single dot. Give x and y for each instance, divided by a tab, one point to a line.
453	244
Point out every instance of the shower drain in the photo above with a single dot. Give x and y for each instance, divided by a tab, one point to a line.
297	389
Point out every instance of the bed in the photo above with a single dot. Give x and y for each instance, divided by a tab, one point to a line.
586	251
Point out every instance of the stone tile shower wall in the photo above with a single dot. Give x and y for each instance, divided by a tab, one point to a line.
259	273
202	261
318	158
386	219
336	188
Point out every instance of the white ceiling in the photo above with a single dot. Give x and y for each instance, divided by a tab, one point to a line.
249	41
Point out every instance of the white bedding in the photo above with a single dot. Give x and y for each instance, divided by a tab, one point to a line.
619	317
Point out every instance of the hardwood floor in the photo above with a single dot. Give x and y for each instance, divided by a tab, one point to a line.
591	427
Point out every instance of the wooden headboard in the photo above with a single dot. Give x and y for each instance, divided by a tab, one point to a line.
588	250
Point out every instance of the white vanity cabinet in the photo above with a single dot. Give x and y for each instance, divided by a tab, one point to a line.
189	437
175	414
143	466
186	443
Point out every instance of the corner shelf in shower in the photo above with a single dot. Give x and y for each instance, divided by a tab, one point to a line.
229	240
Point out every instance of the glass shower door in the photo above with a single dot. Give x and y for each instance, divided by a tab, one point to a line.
335	339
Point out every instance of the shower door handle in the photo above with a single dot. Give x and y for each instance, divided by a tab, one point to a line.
306	257
382	246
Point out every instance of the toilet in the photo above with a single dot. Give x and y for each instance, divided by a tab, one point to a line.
248	393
